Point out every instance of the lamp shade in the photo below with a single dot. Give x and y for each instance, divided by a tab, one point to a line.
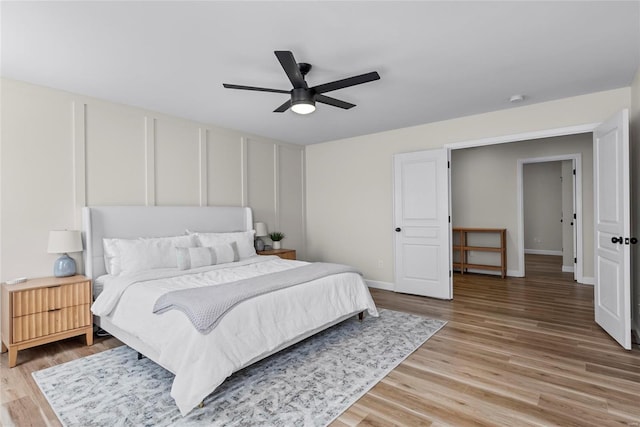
64	241
261	229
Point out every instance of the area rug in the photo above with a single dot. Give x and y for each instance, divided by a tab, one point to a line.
309	384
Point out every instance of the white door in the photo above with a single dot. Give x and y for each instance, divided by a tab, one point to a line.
612	291
421	222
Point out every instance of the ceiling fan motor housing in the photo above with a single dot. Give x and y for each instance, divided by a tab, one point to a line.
303	96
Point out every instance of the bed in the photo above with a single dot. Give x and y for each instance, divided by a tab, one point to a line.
249	331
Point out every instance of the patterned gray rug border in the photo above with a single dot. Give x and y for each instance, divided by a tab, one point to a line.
311	383
382	374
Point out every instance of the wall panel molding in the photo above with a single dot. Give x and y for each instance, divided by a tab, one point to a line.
177	162
224	168
79	131
243	172
303	208
150	160
95	152
261	190
204	179
290	195
276	186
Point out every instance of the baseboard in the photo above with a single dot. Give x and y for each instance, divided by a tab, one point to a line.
377	284
515	273
542	252
388	286
567	269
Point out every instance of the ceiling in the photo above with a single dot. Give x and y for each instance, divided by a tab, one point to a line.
437	60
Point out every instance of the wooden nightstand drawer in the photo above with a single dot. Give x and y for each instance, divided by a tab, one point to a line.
45	310
50	322
40	300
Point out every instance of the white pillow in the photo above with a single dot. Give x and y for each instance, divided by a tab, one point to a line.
211	255
131	255
111	256
244	240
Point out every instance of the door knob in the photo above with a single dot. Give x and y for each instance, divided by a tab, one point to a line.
634	240
398	229
616	240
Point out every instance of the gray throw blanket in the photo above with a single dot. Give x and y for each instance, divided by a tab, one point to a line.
205	306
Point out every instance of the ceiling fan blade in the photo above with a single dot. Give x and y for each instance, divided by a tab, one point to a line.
284	107
351	81
260	89
290	67
334	102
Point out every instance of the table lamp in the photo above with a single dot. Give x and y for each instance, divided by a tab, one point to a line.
261	231
63	242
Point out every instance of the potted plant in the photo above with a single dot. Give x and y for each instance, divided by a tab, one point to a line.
276	236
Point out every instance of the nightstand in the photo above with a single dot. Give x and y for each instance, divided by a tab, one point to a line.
282	253
44	310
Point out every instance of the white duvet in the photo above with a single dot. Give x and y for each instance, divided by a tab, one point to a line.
245	334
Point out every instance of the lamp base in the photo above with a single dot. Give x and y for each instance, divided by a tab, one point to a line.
259	244
64	266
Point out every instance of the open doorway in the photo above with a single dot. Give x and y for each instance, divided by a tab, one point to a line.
542	208
604	256
550	213
486	191
605	244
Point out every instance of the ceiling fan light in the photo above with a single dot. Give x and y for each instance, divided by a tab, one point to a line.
304	107
302	101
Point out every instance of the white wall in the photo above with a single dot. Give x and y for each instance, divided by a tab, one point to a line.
62	151
484	193
349	199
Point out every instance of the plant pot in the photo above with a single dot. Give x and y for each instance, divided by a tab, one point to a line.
277	245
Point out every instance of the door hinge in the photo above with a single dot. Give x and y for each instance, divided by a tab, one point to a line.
449	219
449	273
574	216
448	165
574	171
575	260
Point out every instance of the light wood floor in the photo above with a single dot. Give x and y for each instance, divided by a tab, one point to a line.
515	352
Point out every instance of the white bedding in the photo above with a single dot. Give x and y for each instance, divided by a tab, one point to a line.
250	331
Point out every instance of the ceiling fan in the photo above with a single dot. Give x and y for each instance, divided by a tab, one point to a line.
303	97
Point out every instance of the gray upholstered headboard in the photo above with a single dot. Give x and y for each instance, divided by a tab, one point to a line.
153	221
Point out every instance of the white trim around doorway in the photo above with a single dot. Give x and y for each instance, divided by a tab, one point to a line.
576	158
545	133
